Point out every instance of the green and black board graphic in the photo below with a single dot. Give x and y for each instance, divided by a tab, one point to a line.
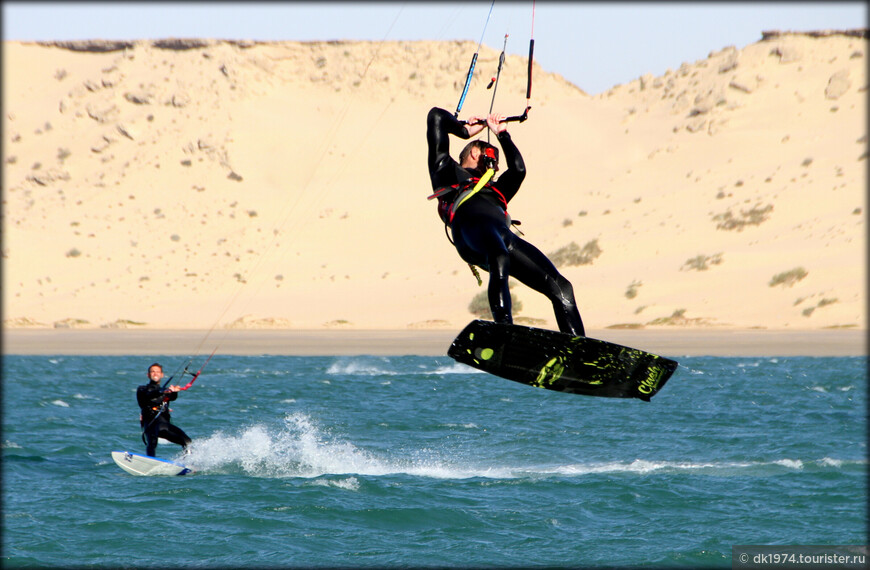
561	362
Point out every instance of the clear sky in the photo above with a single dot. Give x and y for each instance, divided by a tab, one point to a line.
593	45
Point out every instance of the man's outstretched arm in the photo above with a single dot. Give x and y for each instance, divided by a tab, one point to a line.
439	125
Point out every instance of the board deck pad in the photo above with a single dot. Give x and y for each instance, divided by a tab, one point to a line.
136	464
561	362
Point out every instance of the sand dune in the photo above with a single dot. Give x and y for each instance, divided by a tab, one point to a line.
198	184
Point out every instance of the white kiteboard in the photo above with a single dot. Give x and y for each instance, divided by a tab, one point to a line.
136	464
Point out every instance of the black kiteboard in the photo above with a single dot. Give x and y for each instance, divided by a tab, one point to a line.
561	362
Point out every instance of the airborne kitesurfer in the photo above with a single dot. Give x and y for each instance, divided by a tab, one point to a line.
475	208
155	420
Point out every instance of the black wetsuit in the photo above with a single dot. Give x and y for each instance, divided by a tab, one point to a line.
481	229
155	417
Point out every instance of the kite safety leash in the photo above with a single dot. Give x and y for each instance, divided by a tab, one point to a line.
525	115
473	62
494	82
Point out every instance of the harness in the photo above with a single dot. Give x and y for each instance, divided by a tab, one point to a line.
453	196
165	394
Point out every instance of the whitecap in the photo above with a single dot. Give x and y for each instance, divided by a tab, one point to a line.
358	368
349	484
463	426
457	368
60	403
641	466
790	463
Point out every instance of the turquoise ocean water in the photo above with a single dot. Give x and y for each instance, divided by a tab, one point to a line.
418	461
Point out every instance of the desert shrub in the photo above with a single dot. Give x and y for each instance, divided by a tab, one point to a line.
754	217
788	278
573	254
702	262
530	322
678	317
120	323
823	303
631	292
74	252
479	305
70	323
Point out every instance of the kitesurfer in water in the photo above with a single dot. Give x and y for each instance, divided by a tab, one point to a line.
155	420
477	215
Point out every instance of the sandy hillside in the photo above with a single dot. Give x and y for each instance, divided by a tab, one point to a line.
200	183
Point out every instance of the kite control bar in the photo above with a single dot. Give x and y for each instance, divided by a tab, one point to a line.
515	118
